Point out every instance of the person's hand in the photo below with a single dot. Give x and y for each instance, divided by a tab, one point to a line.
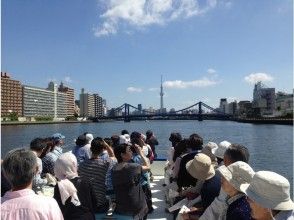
185	216
138	149
50	179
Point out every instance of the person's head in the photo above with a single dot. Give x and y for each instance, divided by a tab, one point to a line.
19	167
220	150
124	140
267	192
89	138
195	142
38	145
58	139
180	148
66	166
123	132
136	138
97	146
234	176
49	146
175	138
81	140
149	134
123	153
236	152
207	150
115	140
200	167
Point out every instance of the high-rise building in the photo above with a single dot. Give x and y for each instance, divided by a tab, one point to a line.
70	99
161	97
98	105
11	95
90	105
284	103
223	105
264	99
44	102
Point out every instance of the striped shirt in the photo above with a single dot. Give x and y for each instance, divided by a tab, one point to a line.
95	171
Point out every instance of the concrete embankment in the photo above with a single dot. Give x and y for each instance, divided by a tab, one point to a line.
277	121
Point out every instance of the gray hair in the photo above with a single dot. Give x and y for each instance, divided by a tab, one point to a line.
19	167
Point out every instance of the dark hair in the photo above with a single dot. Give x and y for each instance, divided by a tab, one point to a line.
149	134
97	145
175	138
135	137
38	144
120	149
19	167
81	140
123	132
180	148
49	146
195	142
115	140
237	152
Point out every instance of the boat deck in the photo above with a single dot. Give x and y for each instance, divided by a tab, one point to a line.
158	195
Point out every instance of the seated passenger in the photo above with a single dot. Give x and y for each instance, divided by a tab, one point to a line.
233	177
49	159
217	209
81	152
130	198
21	202
269	196
95	171
202	169
73	194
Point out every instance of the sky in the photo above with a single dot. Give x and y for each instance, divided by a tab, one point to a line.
205	50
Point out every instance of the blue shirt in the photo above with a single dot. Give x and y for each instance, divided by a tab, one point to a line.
49	160
144	180
239	209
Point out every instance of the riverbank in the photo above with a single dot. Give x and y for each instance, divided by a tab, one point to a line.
41	122
277	121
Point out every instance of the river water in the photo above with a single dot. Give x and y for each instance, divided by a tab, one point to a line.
270	146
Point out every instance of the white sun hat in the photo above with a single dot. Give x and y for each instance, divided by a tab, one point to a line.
221	149
270	190
237	174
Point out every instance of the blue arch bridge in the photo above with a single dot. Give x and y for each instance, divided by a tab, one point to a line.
198	111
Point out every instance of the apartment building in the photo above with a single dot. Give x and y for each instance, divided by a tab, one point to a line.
11	95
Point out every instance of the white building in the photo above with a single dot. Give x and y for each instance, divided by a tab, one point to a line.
264	99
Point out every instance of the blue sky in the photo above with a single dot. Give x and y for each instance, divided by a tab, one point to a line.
205	49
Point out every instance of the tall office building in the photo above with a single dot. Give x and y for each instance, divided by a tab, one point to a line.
161	97
87	104
264	99
44	102
70	99
223	105
98	105
11	95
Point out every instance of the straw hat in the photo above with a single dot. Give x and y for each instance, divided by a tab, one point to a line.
237	174
270	190
200	167
221	149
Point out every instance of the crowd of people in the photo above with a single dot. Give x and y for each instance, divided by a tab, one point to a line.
216	182
97	175
203	181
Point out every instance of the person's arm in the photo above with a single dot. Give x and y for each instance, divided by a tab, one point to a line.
109	150
145	161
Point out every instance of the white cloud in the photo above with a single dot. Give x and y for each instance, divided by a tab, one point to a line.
178	84
211	71
255	77
67	79
133	89
143	13
153	89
